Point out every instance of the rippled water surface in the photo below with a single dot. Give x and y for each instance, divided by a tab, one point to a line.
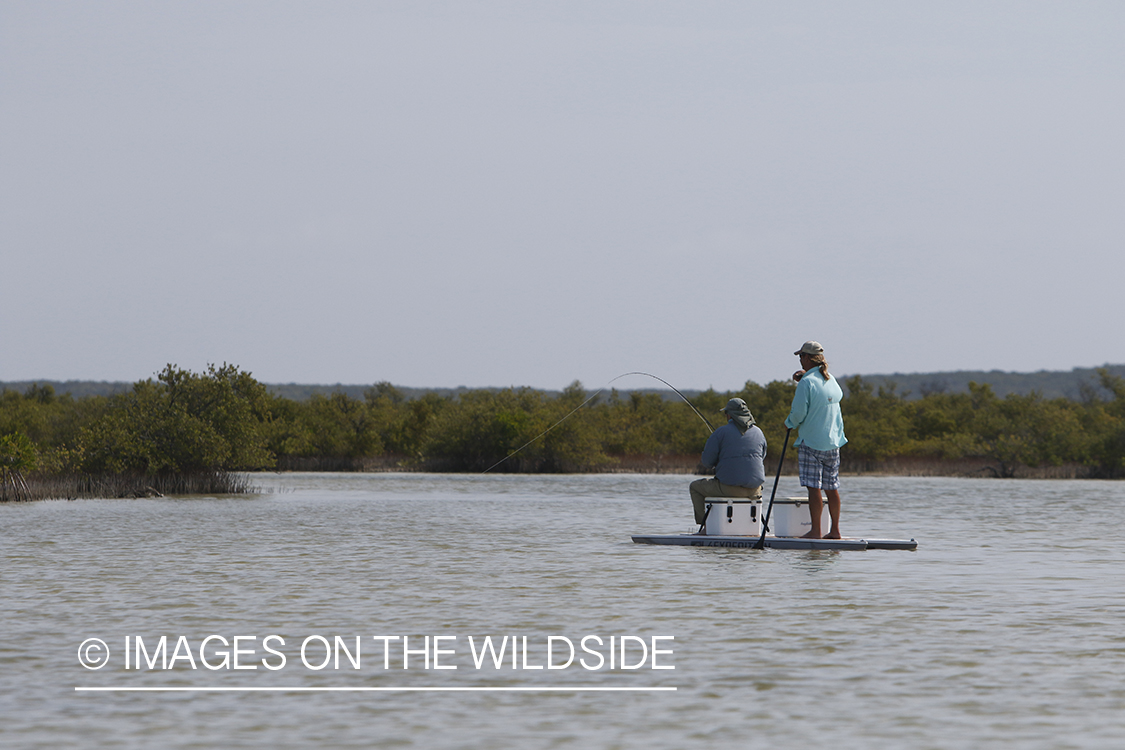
1005	628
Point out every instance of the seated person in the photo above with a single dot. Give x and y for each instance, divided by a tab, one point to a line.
736	451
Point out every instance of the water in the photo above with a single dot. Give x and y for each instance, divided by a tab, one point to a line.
1003	629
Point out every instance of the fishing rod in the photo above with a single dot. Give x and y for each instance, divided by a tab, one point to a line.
591	398
665	382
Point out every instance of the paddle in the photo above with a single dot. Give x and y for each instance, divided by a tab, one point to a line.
776	479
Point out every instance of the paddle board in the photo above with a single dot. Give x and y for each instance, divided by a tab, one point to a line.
774	542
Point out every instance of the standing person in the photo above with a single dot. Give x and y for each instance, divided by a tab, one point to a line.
816	413
736	450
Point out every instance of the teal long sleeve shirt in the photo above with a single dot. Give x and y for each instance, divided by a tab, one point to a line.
816	412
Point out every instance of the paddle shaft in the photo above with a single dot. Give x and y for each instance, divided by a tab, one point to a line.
776	479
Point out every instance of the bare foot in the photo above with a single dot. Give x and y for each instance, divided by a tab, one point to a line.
810	535
832	535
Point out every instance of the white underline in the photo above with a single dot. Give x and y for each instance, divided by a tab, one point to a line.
530	689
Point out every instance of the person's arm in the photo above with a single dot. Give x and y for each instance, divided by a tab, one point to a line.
800	408
710	455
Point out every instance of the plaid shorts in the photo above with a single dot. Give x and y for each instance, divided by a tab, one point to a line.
819	469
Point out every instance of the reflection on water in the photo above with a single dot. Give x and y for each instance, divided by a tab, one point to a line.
1003	628
815	561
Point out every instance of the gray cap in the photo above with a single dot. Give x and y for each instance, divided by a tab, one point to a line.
737	409
811	348
738	413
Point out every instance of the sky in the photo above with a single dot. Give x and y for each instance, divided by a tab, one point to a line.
493	193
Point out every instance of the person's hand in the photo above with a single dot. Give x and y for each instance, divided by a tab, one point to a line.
798	375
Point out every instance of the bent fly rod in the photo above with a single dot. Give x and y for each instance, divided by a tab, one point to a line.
591	398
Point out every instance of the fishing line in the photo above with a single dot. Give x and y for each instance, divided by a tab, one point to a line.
591	398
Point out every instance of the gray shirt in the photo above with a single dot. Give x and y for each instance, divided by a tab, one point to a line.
737	456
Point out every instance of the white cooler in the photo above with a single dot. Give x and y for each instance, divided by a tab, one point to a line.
734	516
791	517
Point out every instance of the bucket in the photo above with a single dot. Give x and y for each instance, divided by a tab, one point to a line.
790	517
734	516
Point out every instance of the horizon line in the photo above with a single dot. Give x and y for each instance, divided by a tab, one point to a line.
369	384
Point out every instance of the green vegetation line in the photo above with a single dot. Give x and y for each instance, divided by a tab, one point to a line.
189	432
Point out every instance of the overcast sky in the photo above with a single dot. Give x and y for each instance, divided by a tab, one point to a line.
489	193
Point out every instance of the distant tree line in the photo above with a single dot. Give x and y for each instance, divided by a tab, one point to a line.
185	431
1073	384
